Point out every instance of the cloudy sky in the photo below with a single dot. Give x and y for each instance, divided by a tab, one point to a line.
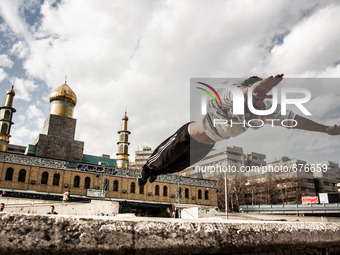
143	53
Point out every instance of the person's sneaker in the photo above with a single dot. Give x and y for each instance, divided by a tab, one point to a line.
140	180
153	178
143	177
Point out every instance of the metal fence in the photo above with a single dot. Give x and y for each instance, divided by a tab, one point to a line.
291	209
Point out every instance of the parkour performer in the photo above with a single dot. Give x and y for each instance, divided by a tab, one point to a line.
193	141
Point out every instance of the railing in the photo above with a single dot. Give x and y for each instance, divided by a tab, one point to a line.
291	209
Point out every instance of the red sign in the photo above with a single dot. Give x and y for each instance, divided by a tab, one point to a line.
310	200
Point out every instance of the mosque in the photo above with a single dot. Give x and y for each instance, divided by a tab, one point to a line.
55	163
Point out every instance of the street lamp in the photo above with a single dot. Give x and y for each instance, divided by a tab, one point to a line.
179	193
103	179
226	195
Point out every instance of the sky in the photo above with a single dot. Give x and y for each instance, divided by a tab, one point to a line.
141	55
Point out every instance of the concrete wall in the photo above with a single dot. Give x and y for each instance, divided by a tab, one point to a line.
196	212
36	234
33	206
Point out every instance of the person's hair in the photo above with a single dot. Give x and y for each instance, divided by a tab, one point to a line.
251	80
52	206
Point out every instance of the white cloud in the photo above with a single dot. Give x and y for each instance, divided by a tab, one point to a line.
330	105
34	112
15	140
20	49
143	53
311	47
5	61
10	12
330	71
22	133
24	89
35	115
21	118
3	74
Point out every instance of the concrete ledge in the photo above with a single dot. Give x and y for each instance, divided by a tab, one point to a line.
40	234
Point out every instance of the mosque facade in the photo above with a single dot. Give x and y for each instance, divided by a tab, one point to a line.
55	163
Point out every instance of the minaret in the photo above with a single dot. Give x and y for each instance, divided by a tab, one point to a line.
123	144
6	114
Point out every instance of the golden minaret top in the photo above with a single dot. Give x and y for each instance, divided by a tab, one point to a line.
10	95
63	100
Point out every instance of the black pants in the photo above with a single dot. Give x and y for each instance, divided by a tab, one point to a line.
176	153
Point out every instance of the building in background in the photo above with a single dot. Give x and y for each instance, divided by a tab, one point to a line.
141	156
18	149
291	185
326	181
250	182
256	159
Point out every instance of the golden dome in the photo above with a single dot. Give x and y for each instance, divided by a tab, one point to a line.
63	93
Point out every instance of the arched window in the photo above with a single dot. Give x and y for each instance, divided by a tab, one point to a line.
187	193
165	191
22	175
206	194
121	138
132	187
121	148
126	137
199	194
87	183
4	128
106	184
9	174
7	115
157	190
44	178
76	181
56	178
125	149
141	189
115	185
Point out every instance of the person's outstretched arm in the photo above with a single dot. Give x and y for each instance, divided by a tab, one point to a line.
309	125
260	90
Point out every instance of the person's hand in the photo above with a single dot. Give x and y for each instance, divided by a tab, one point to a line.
333	130
261	88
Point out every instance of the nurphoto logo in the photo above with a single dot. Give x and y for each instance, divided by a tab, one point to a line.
288	96
238	99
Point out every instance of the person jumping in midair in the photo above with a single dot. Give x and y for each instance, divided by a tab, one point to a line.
193	141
